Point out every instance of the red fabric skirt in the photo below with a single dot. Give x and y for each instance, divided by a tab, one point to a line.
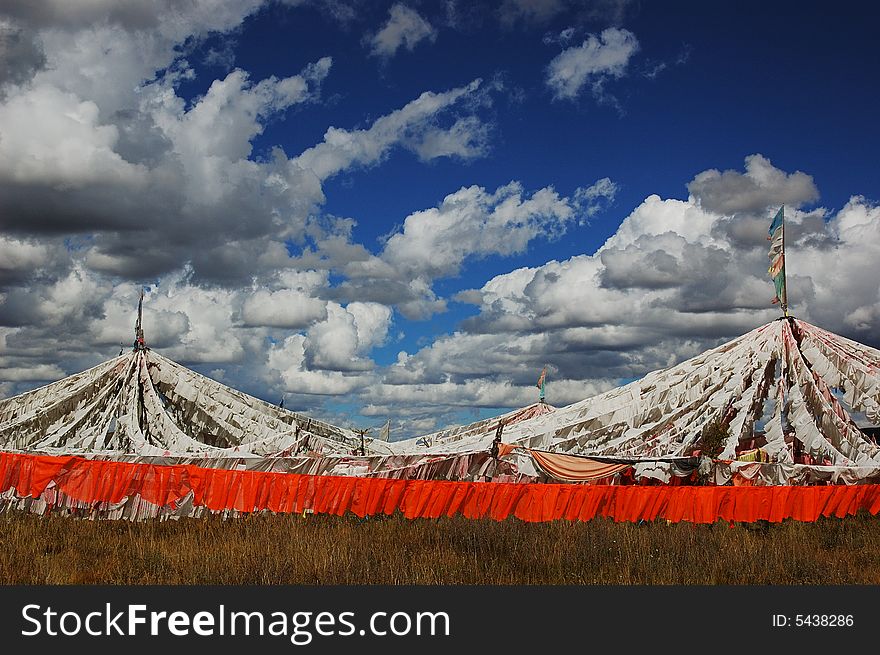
86	482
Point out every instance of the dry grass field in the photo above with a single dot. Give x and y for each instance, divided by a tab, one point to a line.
331	550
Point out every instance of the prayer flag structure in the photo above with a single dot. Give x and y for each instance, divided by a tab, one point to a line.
140	436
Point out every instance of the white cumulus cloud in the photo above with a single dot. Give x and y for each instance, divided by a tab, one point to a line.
597	59
404	28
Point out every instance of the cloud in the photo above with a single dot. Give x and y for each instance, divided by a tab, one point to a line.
644	300
59	306
563	38
652	69
473	222
136	15
465	371
288	363
23	260
409	125
287	308
53	138
39	372
372	321
109	178
761	186
592	199
655	69
632	267
675	279
415	299
467	138
339	342
20	54
469	224
404	28
222	55
592	63
225	120
99	144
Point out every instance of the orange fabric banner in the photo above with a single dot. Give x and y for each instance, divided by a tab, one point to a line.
86	482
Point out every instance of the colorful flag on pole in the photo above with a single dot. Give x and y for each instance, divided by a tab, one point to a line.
776	266
541	379
777	259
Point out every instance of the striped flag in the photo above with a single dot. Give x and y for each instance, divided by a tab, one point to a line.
777	259
776	267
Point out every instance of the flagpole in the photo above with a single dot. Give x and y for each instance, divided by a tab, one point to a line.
784	273
777	260
139	343
540	384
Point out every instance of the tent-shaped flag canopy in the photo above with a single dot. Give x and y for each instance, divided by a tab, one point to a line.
797	384
140	436
143	404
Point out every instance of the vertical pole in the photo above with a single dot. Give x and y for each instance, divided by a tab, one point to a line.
363	446
784	272
139	343
140	311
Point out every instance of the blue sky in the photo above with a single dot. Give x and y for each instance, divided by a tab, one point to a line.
406	209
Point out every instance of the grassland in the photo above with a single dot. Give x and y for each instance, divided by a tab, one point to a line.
329	550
